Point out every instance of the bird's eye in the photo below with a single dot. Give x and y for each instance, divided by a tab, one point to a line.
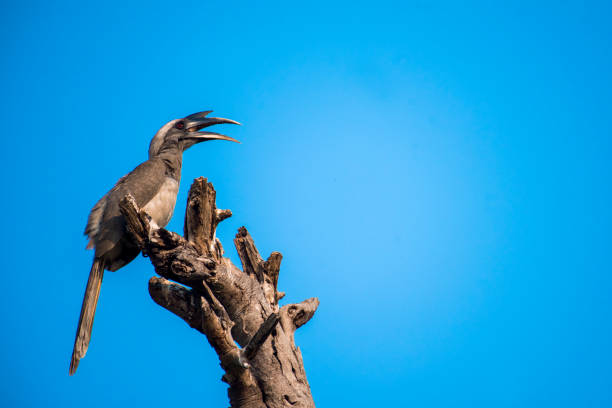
180	125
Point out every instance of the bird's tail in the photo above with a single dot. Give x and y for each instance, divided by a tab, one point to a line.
88	310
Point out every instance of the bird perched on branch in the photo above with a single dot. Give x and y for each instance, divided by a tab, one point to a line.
154	185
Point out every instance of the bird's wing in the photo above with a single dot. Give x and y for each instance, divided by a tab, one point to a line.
105	226
97	212
142	183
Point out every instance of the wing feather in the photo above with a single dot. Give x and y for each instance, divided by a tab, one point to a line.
105	226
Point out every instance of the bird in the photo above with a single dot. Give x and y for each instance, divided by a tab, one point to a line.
154	184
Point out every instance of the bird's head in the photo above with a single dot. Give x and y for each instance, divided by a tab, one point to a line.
184	133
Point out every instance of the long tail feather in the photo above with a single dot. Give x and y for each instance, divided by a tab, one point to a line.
88	311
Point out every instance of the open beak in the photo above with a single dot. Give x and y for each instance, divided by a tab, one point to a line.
194	123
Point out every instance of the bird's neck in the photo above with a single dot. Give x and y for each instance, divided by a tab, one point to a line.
173	160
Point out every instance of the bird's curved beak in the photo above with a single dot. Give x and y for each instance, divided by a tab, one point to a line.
194	123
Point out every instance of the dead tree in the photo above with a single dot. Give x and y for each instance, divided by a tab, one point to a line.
226	304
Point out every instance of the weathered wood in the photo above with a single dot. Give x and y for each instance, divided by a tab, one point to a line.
237	310
194	309
266	272
137	221
248	253
272	267
261	335
202	217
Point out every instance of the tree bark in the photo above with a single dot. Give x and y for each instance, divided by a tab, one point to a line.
226	304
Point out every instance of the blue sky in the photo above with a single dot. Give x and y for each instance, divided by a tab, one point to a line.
438	174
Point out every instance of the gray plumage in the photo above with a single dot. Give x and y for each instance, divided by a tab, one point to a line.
154	185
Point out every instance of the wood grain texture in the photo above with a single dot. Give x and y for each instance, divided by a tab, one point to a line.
237	310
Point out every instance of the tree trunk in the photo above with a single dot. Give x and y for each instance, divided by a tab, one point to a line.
226	304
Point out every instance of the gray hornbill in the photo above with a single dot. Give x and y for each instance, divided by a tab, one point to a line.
154	185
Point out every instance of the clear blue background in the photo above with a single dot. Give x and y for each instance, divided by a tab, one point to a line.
437	174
